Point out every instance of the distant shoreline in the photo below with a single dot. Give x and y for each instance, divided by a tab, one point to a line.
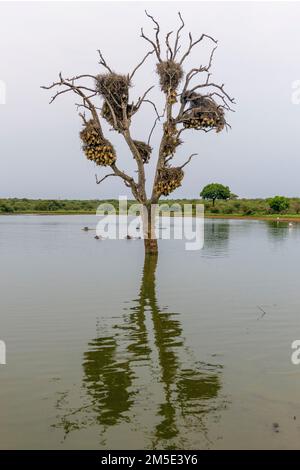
271	218
239	209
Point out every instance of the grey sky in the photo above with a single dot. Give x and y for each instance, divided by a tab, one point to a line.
258	58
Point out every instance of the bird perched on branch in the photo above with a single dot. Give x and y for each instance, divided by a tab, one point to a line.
194	99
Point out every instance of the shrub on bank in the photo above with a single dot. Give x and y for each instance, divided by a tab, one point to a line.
278	204
6	208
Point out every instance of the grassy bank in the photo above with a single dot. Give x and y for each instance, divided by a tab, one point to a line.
236	208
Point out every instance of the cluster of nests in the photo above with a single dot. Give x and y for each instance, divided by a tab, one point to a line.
95	147
114	88
171	139
168	180
170	75
204	113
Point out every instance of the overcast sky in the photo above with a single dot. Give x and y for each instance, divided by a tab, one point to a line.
258	59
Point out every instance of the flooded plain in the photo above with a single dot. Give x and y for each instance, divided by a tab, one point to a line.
190	350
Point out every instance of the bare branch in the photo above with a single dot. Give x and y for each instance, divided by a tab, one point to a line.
154	124
142	99
181	131
225	104
194	71
103	61
152	129
156	44
128	180
78	90
154	106
72	79
211	58
169	49
140	164
140	64
152	43
126	121
82	115
214	85
80	87
113	115
104	177
176	47
156	29
78	105
56	94
84	105
188	160
193	43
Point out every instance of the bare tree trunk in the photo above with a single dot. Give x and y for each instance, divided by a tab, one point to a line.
150	240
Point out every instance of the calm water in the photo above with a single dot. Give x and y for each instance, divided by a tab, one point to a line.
192	350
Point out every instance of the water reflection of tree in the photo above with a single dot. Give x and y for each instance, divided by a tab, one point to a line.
114	375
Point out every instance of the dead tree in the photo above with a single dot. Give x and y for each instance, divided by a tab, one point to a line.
191	101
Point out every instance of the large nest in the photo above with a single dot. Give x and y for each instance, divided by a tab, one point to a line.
95	147
204	113
171	139
114	88
144	150
168	180
107	114
170	74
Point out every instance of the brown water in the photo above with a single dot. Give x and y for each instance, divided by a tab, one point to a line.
192	350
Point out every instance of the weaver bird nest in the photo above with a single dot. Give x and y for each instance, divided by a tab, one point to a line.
204	113
171	140
144	150
170	74
168	180
114	89
95	147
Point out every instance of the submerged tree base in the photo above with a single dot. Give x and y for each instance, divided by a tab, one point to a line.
151	247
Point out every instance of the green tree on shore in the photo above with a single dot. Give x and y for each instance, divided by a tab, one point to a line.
215	191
